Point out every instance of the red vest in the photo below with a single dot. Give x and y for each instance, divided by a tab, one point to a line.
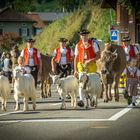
132	51
58	55
89	51
26	56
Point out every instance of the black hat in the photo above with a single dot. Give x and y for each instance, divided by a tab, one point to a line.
126	38
62	39
30	40
83	31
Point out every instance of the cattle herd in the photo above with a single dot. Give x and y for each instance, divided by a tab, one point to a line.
110	67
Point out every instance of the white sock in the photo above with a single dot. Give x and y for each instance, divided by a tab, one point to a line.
133	99
81	94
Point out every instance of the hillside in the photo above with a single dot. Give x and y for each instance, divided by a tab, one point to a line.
94	18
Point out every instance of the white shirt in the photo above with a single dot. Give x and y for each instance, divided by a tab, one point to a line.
127	49
63	55
95	48
31	60
133	70
7	65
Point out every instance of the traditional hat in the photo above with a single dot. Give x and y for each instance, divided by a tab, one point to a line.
30	40
62	39
83	31
126	38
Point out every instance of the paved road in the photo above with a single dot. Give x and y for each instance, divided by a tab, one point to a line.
108	121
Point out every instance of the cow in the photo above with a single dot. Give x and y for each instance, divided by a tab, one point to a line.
45	77
110	66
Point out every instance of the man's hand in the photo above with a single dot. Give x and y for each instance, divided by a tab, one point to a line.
76	74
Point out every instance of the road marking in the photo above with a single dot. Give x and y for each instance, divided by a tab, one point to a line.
8	113
53	120
124	111
56	104
112	118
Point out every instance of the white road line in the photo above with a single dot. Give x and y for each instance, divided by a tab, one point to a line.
56	104
122	112
8	113
54	120
112	118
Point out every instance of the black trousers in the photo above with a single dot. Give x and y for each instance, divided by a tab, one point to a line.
34	73
63	70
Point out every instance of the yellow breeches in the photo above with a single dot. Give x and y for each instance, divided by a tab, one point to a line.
89	68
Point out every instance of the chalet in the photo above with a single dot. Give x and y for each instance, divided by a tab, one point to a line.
24	25
127	24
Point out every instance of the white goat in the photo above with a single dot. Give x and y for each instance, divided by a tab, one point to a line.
92	87
4	91
24	86
66	85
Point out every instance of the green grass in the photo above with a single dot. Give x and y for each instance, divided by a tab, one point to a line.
94	18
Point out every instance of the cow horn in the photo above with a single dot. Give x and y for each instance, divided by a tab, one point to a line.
115	52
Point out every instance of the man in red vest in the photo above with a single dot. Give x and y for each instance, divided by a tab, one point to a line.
62	57
86	53
32	59
130	50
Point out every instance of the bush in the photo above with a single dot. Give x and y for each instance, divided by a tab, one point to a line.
8	40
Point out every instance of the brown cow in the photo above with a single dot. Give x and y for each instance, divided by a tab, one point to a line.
45	77
111	66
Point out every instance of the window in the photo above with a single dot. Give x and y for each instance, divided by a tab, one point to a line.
24	25
1	31
23	31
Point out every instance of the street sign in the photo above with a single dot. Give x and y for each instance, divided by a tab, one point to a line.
114	35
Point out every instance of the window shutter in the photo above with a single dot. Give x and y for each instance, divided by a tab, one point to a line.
20	34
28	31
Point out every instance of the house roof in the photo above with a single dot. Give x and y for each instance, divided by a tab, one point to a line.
39	23
50	16
109	4
10	15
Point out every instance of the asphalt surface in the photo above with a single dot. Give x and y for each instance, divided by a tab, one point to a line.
113	120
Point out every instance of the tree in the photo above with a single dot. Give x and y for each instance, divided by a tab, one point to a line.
20	5
24	5
132	6
9	40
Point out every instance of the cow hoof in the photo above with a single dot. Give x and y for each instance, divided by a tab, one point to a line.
87	107
105	100
116	100
49	94
34	108
4	109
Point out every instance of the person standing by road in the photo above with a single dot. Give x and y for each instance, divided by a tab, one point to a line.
132	74
32	58
87	53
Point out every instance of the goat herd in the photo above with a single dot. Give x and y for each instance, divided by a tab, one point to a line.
112	63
